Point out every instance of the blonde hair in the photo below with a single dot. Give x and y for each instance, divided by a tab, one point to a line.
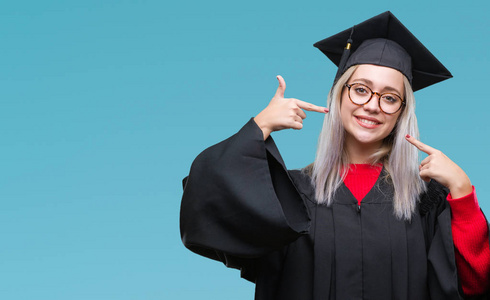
400	158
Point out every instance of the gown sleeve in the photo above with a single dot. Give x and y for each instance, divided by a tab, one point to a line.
441	269
239	202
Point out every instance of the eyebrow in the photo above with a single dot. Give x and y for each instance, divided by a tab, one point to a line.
386	88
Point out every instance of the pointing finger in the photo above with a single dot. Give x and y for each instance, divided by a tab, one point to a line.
311	107
281	88
421	146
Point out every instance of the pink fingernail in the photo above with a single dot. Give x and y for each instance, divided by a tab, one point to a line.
326	110
407	136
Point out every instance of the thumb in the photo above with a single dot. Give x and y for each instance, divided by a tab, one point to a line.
281	88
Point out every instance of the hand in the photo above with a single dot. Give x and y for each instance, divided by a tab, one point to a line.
282	113
439	167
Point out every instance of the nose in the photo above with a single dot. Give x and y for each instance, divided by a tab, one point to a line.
373	104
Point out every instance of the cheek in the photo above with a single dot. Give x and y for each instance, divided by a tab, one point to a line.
344	115
345	109
391	122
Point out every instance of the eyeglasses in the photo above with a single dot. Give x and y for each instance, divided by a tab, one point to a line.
360	94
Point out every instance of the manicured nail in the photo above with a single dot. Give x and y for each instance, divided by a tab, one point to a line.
407	136
326	110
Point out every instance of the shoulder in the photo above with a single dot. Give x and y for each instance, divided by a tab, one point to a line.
302	180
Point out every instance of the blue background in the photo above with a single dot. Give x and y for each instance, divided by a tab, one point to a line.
104	105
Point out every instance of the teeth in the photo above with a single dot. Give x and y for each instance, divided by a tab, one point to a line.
367	121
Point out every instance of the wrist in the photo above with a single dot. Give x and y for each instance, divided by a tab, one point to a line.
461	188
262	125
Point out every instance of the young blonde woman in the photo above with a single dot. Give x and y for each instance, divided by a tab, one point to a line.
366	220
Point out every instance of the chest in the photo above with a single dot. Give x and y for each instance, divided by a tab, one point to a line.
360	252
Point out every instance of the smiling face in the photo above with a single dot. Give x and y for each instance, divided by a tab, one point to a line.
367	126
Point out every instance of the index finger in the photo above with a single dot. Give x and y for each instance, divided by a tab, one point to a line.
311	107
421	146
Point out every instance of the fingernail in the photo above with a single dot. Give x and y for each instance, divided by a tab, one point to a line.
407	136
326	110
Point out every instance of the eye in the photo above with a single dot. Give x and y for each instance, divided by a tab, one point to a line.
361	90
390	98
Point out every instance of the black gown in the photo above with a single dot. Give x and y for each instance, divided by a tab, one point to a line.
241	206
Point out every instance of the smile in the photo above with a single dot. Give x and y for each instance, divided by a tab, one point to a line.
368	123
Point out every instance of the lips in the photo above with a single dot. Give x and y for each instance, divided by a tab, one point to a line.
368	122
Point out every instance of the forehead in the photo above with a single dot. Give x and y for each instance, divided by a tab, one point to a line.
379	77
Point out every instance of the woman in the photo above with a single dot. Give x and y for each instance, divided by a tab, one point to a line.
360	222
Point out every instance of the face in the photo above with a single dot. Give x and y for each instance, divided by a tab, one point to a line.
367	125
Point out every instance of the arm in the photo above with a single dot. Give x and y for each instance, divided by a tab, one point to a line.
469	230
239	203
471	242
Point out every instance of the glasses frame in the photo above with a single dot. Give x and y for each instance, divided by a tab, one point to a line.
371	97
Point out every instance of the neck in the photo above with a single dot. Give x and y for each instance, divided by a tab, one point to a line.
360	153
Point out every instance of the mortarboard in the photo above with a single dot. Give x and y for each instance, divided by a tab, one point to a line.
383	40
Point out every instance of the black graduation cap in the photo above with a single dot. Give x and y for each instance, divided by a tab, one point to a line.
383	40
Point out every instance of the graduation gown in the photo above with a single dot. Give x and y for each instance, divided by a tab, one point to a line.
241	206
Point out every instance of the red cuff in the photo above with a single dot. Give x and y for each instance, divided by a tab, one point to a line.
464	209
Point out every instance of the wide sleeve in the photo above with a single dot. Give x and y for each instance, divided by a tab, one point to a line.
442	270
239	202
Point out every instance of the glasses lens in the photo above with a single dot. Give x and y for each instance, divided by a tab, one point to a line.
390	103
359	93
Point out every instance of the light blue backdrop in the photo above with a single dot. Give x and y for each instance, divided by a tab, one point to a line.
104	105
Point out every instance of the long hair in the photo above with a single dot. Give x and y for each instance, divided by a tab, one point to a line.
400	158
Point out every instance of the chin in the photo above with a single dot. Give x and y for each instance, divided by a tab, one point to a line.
367	139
